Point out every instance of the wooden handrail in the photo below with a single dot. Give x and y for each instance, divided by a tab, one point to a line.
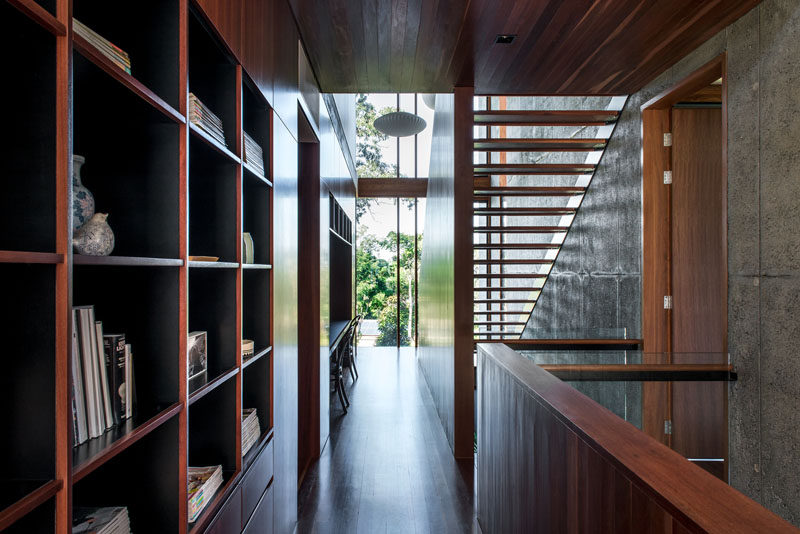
581	444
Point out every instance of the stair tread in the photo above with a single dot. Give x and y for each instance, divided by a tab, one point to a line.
520	229
504	301
486	144
537	117
538	261
510	275
533	168
518	210
521	246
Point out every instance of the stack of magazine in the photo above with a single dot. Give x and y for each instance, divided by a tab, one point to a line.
203	484
253	154
251	429
115	54
109	520
103	383
204	119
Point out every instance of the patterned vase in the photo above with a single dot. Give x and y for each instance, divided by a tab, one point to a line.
94	238
82	198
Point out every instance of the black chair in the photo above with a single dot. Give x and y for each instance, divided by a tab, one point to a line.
337	368
350	357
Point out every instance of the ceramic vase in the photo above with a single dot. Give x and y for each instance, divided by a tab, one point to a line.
82	198
94	238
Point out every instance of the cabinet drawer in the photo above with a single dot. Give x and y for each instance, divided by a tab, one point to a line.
229	517
261	522
256	481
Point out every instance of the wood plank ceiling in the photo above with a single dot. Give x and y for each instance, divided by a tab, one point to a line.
562	47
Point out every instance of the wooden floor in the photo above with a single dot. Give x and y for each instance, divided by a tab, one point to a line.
387	466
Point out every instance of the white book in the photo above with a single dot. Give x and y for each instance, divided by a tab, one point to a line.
108	416
100	416
88	371
77	383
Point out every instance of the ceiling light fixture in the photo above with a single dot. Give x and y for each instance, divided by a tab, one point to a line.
400	124
505	38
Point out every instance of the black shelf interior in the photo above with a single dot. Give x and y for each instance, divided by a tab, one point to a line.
27	383
255	118
212	308
212	203
28	200
255	390
141	303
41	519
49	5
212	429
144	477
212	75
132	163
255	207
148	33
255	307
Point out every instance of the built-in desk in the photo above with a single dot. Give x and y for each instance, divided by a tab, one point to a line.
337	329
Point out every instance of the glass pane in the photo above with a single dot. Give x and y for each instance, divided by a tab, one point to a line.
408	302
376	282
407	156
420	234
425	136
376	153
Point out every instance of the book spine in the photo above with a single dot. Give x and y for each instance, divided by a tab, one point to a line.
77	381
114	349
104	362
89	372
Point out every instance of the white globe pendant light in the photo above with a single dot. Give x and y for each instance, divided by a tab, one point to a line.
400	124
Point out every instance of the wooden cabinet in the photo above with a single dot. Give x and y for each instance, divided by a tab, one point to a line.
229	518
285	64
261	521
226	16
257	44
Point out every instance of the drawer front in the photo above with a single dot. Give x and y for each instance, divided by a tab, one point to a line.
229	518
256	481
261	521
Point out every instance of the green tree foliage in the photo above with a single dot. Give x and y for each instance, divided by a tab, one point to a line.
374	276
369	156
387	324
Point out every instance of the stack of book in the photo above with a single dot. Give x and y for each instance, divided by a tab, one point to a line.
103	386
251	429
203	484
109	520
253	154
202	117
115	54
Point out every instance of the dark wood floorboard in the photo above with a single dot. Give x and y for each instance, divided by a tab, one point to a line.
387	466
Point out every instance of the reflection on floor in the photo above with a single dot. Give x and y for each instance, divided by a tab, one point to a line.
387	466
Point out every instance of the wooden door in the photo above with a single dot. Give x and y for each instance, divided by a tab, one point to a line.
699	282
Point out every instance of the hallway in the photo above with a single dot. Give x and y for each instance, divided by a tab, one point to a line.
387	466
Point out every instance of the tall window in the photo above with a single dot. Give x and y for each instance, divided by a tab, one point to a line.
389	230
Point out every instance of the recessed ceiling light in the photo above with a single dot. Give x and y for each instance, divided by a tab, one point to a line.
505	38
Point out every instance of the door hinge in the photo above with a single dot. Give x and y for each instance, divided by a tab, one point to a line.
667	177
667	427
667	302
668	139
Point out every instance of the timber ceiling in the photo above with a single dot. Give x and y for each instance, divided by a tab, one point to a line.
562	47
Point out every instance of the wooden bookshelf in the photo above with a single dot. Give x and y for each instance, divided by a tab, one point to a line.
171	191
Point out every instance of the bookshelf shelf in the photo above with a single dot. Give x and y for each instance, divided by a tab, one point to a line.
132	84
251	171
40	15
21	497
94	453
13	256
212	385
264	266
130	261
213	265
260	354
214	144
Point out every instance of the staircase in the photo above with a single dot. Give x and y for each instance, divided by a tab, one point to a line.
534	161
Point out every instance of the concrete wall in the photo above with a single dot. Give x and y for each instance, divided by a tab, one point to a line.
599	273
596	281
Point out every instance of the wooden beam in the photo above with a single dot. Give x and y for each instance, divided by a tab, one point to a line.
392	187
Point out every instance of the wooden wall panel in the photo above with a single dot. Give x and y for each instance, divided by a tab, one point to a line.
257	44
284	46
552	460
226	16
285	272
